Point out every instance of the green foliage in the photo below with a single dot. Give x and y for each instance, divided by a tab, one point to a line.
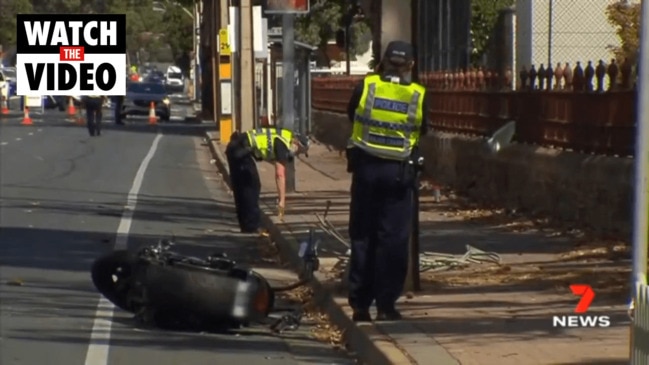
625	18
57	6
320	25
179	31
8	11
484	16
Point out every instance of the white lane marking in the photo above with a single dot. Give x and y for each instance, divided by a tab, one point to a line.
19	139
30	134
99	346
4	143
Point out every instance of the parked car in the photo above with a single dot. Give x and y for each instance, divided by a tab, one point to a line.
4	85
139	97
175	80
10	76
155	77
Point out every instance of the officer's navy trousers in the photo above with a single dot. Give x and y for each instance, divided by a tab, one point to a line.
246	186
379	229
93	115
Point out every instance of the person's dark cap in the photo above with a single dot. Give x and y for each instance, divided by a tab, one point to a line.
399	53
304	141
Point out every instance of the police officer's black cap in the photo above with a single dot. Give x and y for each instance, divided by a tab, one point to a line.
304	141
399	53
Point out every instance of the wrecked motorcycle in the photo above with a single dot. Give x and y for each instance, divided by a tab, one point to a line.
169	290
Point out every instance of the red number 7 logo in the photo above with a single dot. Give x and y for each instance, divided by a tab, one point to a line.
587	295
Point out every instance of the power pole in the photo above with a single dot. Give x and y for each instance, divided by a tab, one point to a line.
288	87
246	75
225	73
641	183
195	60
207	41
215	63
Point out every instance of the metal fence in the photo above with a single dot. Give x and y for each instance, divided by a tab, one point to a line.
532	32
443	34
558	30
551	31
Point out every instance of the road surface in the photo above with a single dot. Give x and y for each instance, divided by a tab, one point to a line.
65	201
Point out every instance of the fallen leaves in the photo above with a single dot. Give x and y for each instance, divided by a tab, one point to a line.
587	256
15	282
323	330
268	249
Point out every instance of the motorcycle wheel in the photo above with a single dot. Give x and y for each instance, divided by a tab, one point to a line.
111	276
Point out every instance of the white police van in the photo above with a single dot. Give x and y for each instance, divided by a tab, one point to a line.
4	85
174	80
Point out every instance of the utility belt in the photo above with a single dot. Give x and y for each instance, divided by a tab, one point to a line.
409	169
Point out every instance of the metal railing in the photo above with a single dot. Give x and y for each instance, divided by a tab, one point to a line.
586	107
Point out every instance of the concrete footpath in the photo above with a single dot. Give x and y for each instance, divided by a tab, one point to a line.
466	313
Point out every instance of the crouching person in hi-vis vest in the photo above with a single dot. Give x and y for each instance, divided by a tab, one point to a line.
387	112
275	145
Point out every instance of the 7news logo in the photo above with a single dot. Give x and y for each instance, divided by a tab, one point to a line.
587	295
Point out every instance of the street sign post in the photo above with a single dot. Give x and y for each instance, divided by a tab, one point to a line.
288	9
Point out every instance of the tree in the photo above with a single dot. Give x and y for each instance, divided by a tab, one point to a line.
320	25
56	6
178	34
484	16
8	11
625	18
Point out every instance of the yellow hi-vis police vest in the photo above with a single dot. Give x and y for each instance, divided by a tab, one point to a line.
261	140
388	118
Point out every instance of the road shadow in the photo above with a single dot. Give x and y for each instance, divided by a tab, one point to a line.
189	128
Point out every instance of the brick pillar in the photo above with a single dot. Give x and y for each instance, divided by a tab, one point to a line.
388	20
396	17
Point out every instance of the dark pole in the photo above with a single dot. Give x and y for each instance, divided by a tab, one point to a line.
347	48
414	239
414	28
288	88
550	21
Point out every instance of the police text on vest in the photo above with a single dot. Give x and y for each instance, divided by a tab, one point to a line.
71	54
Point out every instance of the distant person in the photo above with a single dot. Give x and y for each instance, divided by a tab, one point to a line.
118	102
275	145
94	105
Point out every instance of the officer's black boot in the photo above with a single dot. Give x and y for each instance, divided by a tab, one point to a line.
362	316
388	315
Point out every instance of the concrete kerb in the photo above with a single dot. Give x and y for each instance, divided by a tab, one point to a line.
365	340
12	114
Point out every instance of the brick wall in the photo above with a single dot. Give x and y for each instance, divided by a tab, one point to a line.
595	191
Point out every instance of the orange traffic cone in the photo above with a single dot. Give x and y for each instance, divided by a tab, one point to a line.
71	109
26	119
5	107
152	118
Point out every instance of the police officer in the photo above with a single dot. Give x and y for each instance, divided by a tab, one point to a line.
265	144
387	112
118	102
94	105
